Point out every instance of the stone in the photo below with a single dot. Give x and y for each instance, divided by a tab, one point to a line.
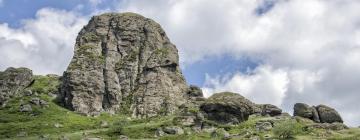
194	91
330	126
58	125
220	133
39	102
305	111
328	114
22	134
35	101
159	133
123	63
123	137
104	124
173	130
27	92
263	126
271	110
64	138
25	108
13	81
92	139
227	108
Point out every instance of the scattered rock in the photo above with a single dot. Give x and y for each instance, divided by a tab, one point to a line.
263	125
330	126
159	132
271	110
123	137
104	124
27	92
57	125
227	108
194	91
64	138
38	101
173	130
22	134
121	61
220	133
25	108
13	81
328	114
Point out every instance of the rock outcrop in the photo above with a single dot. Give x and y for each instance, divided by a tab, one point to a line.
124	63
227	108
269	109
13	81
328	114
319	114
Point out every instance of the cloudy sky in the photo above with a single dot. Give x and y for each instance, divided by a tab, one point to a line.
271	51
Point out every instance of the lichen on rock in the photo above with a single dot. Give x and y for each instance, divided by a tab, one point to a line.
124	63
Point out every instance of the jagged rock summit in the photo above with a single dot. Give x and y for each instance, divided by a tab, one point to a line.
124	63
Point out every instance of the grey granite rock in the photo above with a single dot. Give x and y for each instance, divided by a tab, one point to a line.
124	63
13	81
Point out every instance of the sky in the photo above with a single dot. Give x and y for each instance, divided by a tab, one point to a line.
271	51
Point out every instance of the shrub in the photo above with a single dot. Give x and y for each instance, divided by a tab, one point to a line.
287	129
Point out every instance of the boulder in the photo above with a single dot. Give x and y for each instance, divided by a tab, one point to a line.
305	111
124	63
220	133
227	108
263	125
173	130
328	114
194	91
271	110
13	81
25	108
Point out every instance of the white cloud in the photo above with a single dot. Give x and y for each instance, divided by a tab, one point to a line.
1	3
44	44
264	85
309	50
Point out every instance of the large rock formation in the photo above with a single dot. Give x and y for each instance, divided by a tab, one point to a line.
320	113
227	108
124	62
13	81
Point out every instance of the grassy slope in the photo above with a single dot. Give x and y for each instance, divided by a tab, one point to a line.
75	126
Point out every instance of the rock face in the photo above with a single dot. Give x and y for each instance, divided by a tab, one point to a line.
328	114
227	108
124	62
320	113
13	81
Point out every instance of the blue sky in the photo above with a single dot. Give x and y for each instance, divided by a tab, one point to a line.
271	51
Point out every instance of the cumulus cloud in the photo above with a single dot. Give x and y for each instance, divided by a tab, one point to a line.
308	50
44	44
263	85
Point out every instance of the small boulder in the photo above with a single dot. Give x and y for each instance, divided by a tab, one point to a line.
220	133
194	91
227	108
159	132
58	125
271	110
328	114
329	126
263	126
104	124
27	93
173	130
25	108
123	137
35	101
